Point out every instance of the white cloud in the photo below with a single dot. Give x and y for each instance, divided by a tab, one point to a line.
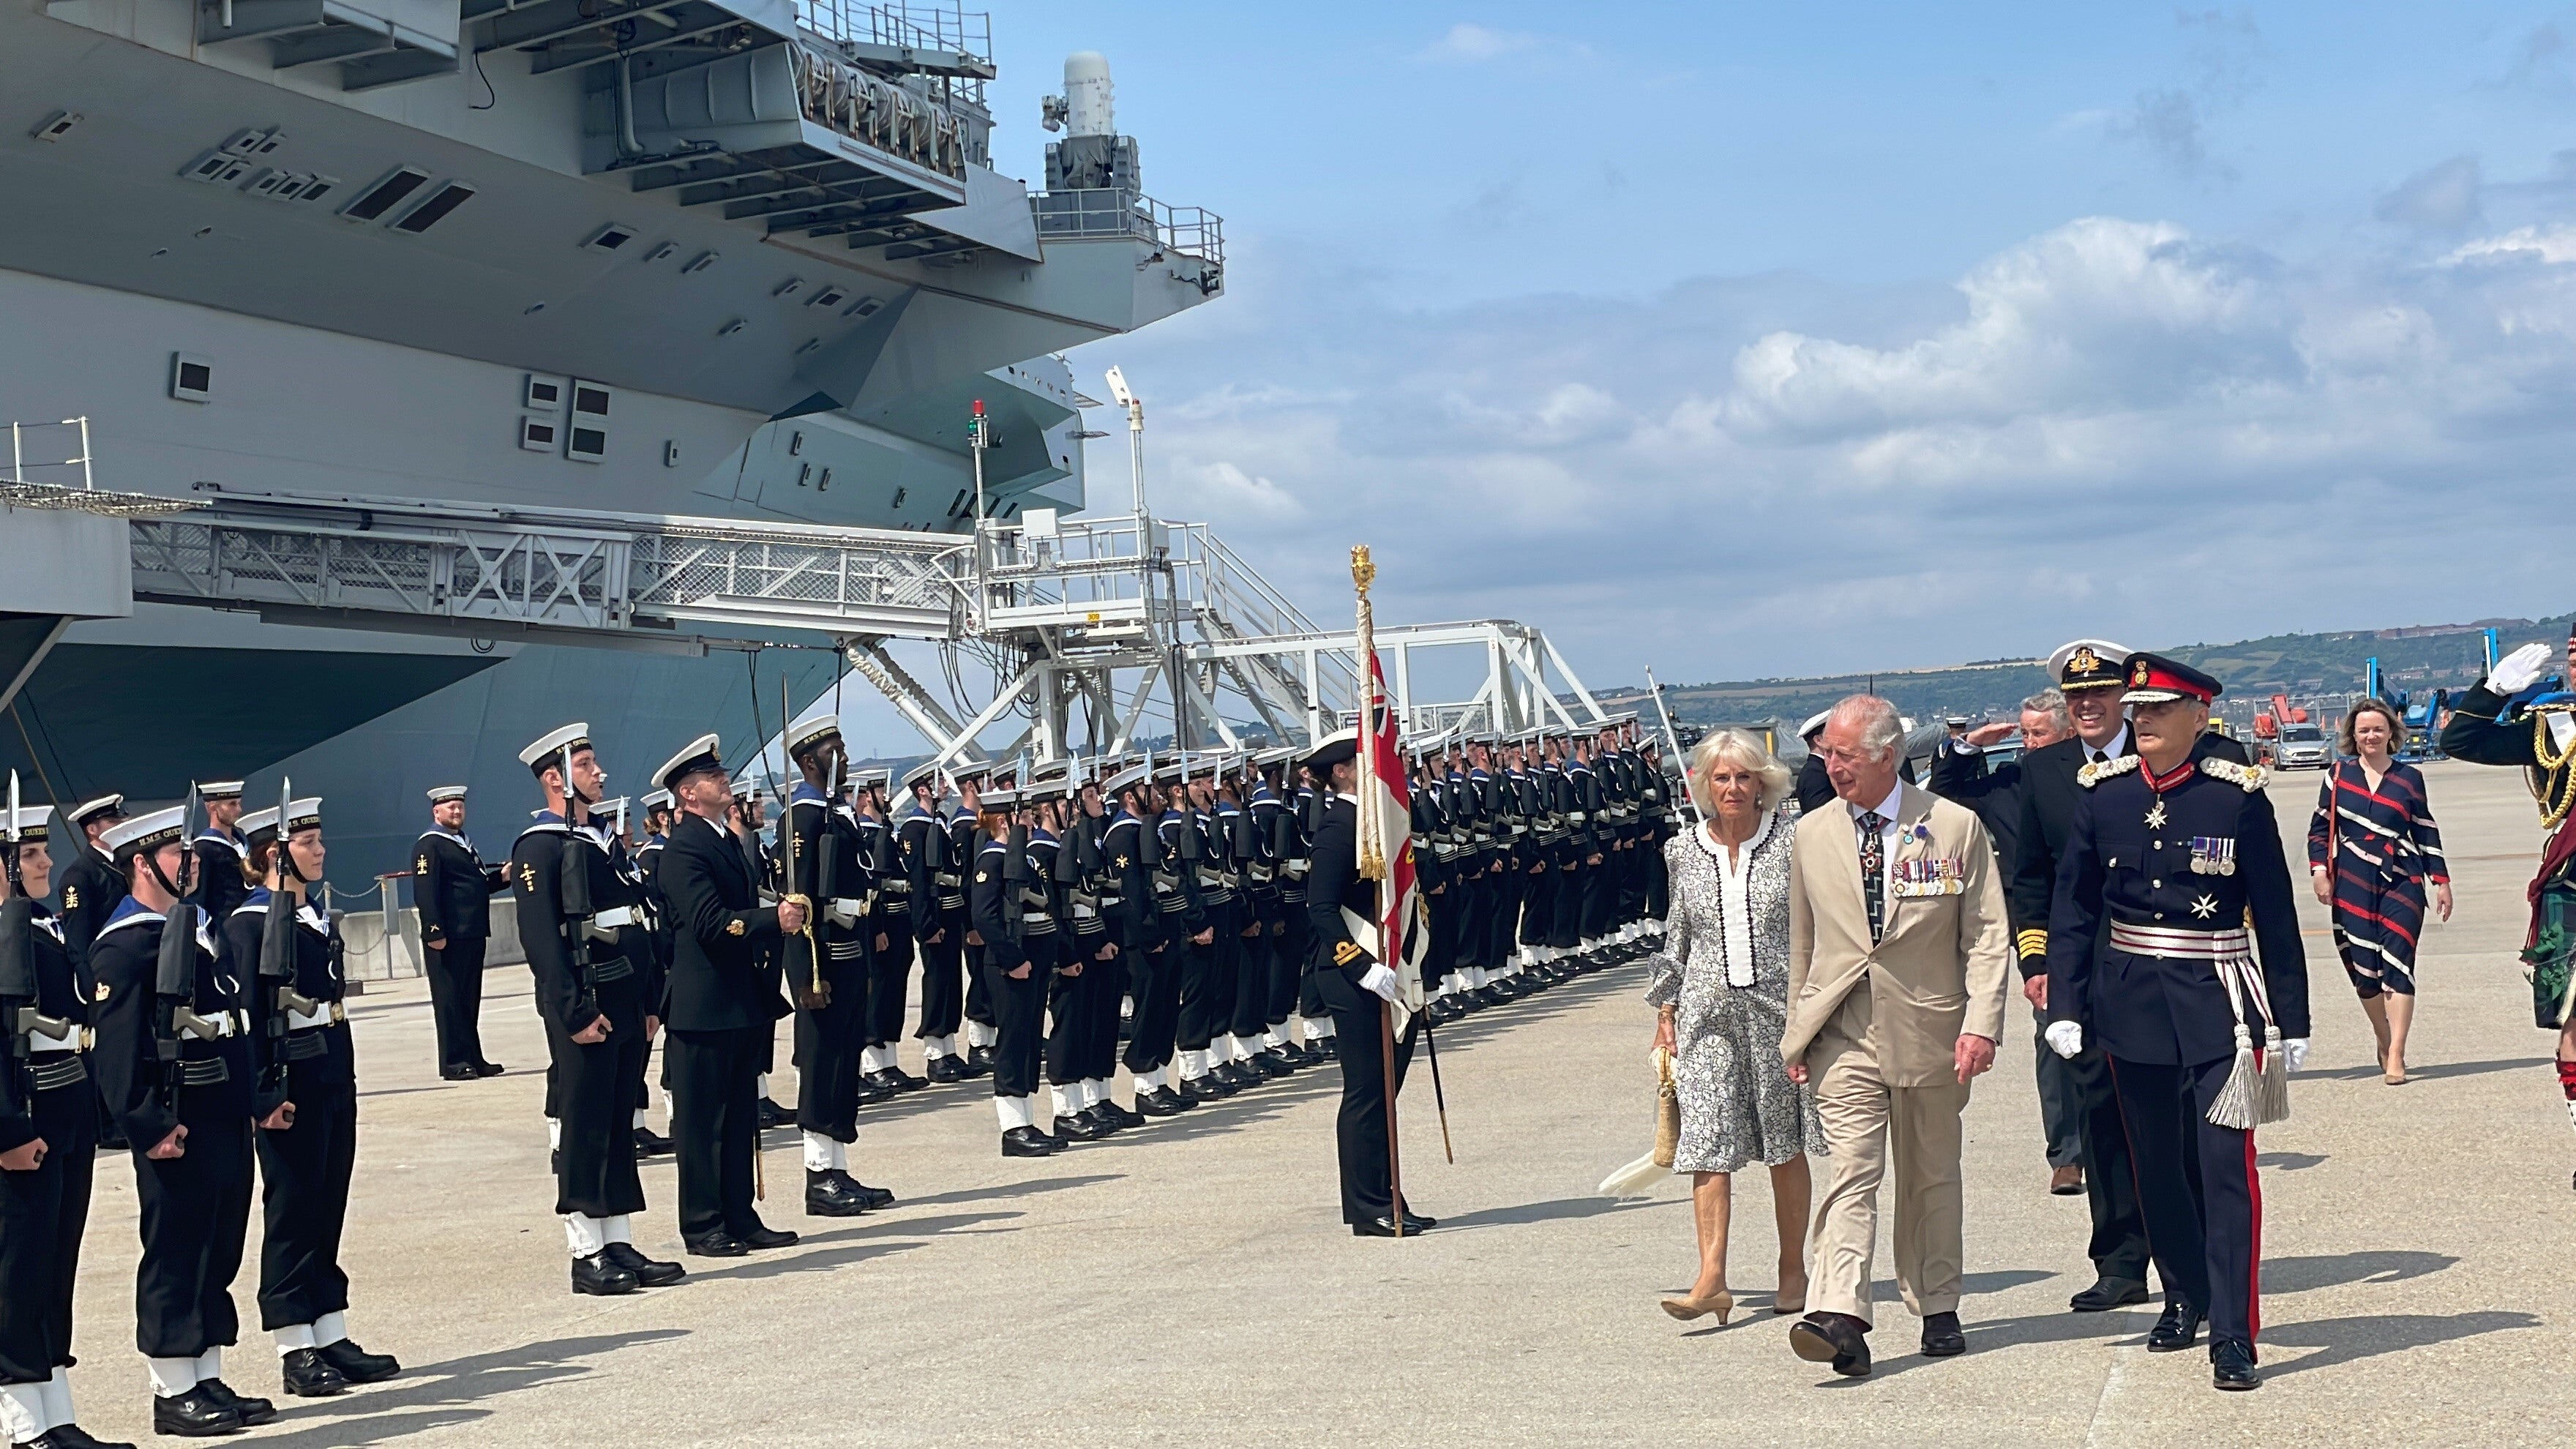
1467	43
2115	426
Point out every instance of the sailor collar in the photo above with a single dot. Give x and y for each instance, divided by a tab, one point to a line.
443	833
130	911
261	897
226	839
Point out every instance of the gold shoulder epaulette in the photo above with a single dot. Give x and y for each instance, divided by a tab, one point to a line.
2092	775
2248	778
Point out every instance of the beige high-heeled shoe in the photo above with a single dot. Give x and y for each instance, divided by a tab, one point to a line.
1688	1307
1786	1301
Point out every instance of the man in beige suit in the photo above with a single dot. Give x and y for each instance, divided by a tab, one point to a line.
1898	955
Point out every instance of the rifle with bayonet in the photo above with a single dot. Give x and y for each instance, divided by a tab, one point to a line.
572	884
813	993
277	951
174	977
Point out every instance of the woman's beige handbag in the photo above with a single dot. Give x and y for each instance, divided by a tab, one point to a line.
1634	1179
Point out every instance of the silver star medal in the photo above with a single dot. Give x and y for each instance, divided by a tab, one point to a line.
2205	907
2156	817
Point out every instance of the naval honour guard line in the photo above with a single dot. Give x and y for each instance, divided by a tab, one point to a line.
1208	920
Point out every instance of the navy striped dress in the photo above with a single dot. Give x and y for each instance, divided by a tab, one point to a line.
2382	847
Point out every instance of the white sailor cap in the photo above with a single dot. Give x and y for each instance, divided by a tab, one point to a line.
89	810
872	776
820	722
219	789
657	800
146	832
1332	751
998	799
1814	723
441	794
1128	778
551	746
698	757
1276	755
304	814
608	809
33	821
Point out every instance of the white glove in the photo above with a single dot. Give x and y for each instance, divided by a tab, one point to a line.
2296	1049
2066	1038
1380	980
2519	670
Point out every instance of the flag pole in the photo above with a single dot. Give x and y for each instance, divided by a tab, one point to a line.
1373	864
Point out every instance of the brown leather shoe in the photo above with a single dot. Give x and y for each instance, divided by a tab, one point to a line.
2067	1181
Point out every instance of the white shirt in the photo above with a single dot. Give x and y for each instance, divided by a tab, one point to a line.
2120	745
1886	810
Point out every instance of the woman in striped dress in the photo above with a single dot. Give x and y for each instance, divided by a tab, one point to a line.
2372	850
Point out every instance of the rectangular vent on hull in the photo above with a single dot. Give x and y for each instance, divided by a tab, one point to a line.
217	168
543	392
588	445
192	378
591	400
433	211
385	195
537	435
610	237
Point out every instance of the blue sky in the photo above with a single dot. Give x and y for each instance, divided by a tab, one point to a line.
1748	340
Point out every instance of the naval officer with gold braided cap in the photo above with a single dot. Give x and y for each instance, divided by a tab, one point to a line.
2174	854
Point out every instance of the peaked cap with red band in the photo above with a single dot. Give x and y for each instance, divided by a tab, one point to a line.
2154	679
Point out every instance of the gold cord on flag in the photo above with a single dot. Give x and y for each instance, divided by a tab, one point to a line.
1372	830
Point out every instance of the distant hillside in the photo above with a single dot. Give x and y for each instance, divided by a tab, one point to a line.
2416	658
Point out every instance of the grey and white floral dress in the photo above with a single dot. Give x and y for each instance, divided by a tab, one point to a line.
1725	967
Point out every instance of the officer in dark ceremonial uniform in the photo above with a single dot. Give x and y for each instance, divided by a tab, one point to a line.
582	927
1358	990
48	1147
218	849
177	1069
826	966
282	947
724	1003
2173	855
2088	673
453	890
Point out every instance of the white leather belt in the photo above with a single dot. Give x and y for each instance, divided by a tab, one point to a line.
616	916
1082	912
2180	942
220	1025
38	1044
845	911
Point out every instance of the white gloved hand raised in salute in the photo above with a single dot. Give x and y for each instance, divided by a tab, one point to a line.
2519	670
2066	1038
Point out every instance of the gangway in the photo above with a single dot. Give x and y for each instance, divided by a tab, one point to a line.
1088	620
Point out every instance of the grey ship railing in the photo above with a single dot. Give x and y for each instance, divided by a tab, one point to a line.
1108	212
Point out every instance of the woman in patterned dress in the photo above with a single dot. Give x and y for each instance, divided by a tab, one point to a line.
2372	848
1721	988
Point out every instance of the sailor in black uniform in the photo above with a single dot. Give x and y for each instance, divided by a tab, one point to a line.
1358	990
827	965
637	866
48	1145
453	890
582	929
724	1004
90	887
175	1065
280	944
218	848
930	883
2179	852
888	929
1239	1038
1283	904
1143	879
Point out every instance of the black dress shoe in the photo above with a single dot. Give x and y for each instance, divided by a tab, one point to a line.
1381	1227
250	1410
195	1414
1264	1065
598	1276
1941	1336
2231	1365
1159	1102
361	1367
309	1375
1111	1112
1488	996
651	1272
1100	1123
946	1069
1288	1057
1028	1142
2107	1294
2176	1329
1442	1012
72	1436
766	1238
714	1245
1075	1126
457	1074
904	1081
489	1069
773	1115
874	1197
1210	1088
979	1060
881	1082
1837	1339
827	1196
870	1093
649	1143
1186	1097
1245	1078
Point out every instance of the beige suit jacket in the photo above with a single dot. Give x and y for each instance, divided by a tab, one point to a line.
1940	966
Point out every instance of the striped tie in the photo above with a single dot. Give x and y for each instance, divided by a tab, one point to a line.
1873	870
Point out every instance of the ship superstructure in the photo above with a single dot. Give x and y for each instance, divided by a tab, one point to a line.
746	260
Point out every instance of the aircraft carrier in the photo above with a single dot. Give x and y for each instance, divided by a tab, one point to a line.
730	259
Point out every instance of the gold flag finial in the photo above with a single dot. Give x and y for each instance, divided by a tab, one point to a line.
1363	572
